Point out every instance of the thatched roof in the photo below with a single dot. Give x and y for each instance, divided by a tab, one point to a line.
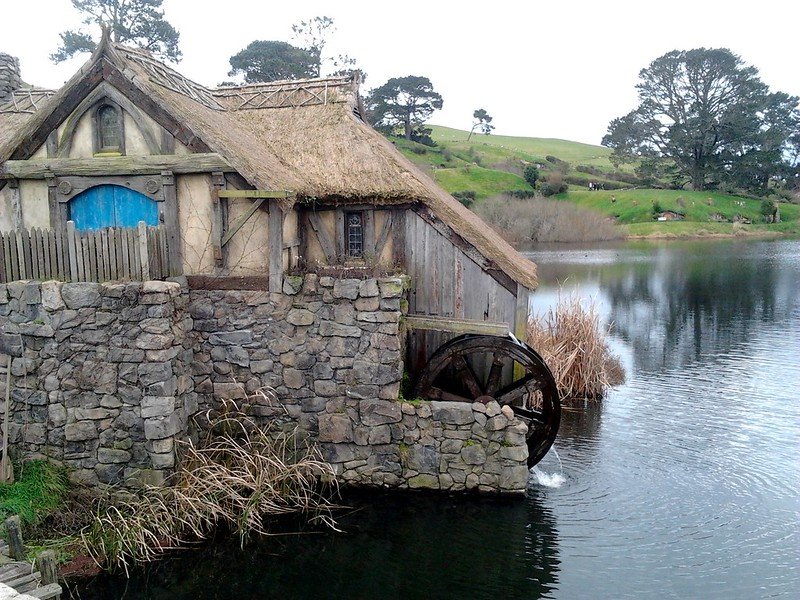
305	137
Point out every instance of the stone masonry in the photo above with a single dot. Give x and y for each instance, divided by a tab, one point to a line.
100	376
106	378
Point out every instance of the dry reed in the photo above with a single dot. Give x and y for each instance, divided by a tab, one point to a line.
241	473
573	344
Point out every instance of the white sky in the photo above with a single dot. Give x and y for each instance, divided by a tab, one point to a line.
551	68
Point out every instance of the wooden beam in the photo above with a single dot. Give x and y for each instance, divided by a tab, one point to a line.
237	225
264	194
324	239
218	182
171	223
450	325
116	165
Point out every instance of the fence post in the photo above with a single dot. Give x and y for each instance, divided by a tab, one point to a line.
72	247
141	230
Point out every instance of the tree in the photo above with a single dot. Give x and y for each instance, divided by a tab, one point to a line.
139	23
403	102
707	113
312	36
531	175
263	61
482	122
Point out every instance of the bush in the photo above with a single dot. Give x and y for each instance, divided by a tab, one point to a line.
520	194
540	220
574	346
531	175
467	197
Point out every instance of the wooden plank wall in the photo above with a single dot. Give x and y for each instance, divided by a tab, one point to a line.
68	255
446	282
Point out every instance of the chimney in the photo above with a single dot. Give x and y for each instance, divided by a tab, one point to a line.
9	76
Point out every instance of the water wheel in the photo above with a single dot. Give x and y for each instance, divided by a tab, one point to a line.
481	368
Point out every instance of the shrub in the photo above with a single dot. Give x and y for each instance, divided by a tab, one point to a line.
467	197
531	175
554	184
540	220
520	194
574	346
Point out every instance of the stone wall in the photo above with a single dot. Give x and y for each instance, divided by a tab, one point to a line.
99	375
433	445
9	76
107	377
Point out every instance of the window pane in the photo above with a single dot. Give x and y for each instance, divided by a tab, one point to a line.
108	120
355	234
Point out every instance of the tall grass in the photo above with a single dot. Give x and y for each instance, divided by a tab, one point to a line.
238	475
39	488
540	220
573	344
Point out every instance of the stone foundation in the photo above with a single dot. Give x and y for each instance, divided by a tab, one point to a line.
107	377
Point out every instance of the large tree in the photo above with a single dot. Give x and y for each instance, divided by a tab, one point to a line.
403	102
139	23
265	61
710	116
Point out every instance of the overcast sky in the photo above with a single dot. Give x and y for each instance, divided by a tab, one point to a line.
560	69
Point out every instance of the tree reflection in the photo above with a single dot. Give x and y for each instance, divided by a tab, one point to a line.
693	301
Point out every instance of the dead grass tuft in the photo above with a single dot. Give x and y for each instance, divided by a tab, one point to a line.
238	475
573	344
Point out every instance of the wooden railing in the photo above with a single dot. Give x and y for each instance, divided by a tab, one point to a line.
137	254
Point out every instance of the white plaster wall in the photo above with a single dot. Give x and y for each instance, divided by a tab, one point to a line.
135	144
82	141
247	252
195	216
6	214
35	206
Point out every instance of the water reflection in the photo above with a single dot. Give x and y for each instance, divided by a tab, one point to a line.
394	546
679	303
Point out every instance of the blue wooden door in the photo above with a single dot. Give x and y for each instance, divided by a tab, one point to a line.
112	206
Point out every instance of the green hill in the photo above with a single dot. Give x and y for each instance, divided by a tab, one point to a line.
493	165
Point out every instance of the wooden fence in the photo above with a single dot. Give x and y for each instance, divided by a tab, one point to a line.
137	254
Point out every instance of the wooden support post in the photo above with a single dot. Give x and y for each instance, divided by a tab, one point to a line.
52	202
218	182
171	223
141	242
275	248
15	547
521	314
46	565
16	204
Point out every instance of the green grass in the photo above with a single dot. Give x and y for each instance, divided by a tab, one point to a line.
39	489
535	148
484	182
636	206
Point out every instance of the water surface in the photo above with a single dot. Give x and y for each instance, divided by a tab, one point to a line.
682	483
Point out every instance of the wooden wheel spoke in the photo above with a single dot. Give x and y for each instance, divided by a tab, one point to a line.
532	417
435	393
467	376
514	392
493	381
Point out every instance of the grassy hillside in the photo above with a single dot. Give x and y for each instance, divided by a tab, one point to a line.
493	165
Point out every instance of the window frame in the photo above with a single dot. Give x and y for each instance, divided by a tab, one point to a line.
97	126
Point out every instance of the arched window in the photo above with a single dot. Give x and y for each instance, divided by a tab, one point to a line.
109	130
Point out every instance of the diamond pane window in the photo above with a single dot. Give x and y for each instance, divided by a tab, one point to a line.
354	234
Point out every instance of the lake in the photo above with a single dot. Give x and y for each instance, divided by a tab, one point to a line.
682	483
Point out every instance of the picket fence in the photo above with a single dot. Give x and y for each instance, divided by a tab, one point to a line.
137	254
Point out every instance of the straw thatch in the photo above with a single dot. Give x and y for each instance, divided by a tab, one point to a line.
305	137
